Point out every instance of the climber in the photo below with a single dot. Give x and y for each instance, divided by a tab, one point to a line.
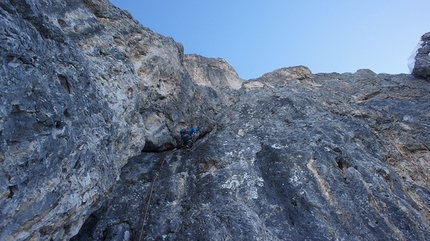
194	134
186	139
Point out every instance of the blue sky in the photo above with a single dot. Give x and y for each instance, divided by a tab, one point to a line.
257	36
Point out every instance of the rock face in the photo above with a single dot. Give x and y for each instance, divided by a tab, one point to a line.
84	87
317	157
421	67
216	73
216	77
280	75
288	156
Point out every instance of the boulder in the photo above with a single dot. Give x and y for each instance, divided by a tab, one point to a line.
421	58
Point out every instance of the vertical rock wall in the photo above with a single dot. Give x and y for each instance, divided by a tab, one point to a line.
298	157
84	87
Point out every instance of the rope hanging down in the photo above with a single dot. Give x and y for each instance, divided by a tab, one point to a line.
148	197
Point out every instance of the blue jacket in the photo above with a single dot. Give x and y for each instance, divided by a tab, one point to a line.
192	131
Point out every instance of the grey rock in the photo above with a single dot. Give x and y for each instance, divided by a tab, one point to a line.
325	157
291	155
84	87
280	77
217	79
421	67
216	73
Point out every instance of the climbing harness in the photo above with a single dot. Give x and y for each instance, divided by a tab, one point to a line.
148	196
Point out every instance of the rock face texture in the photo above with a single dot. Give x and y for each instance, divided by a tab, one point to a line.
219	80
421	67
216	73
288	156
325	157
84	87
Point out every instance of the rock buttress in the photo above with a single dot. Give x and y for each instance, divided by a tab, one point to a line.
327	157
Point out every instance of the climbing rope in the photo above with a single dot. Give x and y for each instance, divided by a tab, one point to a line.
149	196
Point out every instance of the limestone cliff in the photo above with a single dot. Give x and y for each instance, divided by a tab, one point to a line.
288	156
316	157
84	87
216	73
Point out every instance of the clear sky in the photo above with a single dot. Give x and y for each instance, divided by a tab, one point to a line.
257	36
